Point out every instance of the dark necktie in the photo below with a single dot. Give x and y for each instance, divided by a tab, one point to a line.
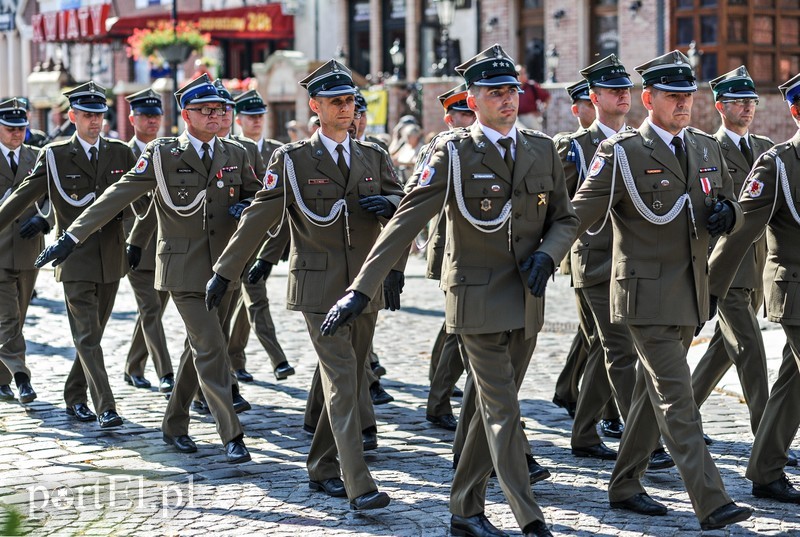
748	155
93	157
206	156
12	162
341	162
680	154
508	157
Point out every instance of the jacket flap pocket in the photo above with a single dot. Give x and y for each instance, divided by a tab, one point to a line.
538	183
173	246
628	268
485	189
469	276
309	261
324	191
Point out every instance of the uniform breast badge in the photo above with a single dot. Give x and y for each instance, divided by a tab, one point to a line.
542	199
657	205
73	196
486	205
183	194
220	183
231	192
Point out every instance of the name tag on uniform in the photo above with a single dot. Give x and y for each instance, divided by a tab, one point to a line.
648	172
318	181
483	176
78	176
185	170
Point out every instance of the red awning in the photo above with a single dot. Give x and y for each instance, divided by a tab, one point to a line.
257	22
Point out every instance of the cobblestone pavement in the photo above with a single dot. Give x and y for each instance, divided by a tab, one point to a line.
68	478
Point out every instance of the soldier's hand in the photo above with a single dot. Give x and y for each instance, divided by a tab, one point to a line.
712	312
56	252
215	290
236	210
345	310
542	267
722	219
392	288
260	269
134	255
33	226
379	205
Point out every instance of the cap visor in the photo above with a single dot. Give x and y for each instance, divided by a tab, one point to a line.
739	95
149	110
91	107
336	91
502	80
621	82
14	122
681	86
208	99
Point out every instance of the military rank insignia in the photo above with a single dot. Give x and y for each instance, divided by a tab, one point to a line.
486	205
755	188
175	151
542	199
426	175
596	167
141	165
271	180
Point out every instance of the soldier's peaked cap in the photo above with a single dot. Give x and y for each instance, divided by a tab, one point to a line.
607	73
223	91
791	89
361	103
579	91
330	80
13	113
669	72
199	90
88	97
492	67
455	99
250	103
146	101
735	84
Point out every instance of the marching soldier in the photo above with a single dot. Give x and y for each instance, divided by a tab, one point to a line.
737	336
252	307
768	201
316	184
19	244
75	172
197	181
508	220
668	191
148	336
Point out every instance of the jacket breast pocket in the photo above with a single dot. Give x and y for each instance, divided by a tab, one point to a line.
369	188
485	197
467	289
230	189
183	187
540	189
637	293
171	257
76	186
784	296
307	278
657	193
320	198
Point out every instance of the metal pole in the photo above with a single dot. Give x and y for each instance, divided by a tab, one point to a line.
174	69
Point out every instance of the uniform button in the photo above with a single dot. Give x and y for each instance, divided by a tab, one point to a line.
694	259
209	200
517	192
633	272
211	232
462	279
485	191
655	186
516	239
303	264
210	216
794	275
517	215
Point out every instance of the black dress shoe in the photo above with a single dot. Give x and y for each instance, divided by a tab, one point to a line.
200	406
727	514
283	371
641	503
136	381
236	452
379	395
568	406
707	439
660	459
167	383
182	443
781	489
537	528
243	376
536	471
81	412
792	460
240	404
377	368
369	438
612	428
332	487
109	419
457	392
447	421
370	500
473	526
26	393
6	394
600	451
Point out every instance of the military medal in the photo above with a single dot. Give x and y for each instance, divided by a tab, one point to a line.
73	196
183	194
542	199
665	183
220	183
495	188
231	192
709	201
486	205
705	184
657	205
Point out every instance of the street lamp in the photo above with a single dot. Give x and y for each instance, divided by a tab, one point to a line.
446	12
398	58
551	60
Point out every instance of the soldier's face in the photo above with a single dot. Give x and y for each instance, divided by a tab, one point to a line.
361	125
146	126
226	121
738	115
671	111
201	126
12	137
612	102
87	124
459	118
585	112
335	113
495	106
252	124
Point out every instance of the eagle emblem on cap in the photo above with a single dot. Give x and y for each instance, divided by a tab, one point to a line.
498	53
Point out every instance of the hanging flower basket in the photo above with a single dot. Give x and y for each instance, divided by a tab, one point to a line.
171	46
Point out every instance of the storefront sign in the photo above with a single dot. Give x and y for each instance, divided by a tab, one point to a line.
83	24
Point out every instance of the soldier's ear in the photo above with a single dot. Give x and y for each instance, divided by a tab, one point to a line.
647	99
314	105
471	103
795	111
593	97
719	106
71	115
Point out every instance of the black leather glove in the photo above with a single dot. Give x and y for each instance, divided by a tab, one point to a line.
134	255
33	226
57	252
345	310
215	290
380	205
722	219
236	210
392	288
712	312
542	267
260	269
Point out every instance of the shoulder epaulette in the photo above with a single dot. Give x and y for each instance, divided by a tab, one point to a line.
238	143
367	143
763	138
160	141
533	132
777	149
291	146
624	135
272	142
114	141
694	130
58	143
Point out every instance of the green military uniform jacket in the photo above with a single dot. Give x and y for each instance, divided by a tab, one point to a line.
323	260
659	272
17	253
148	260
186	246
752	267
766	207
101	258
486	292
